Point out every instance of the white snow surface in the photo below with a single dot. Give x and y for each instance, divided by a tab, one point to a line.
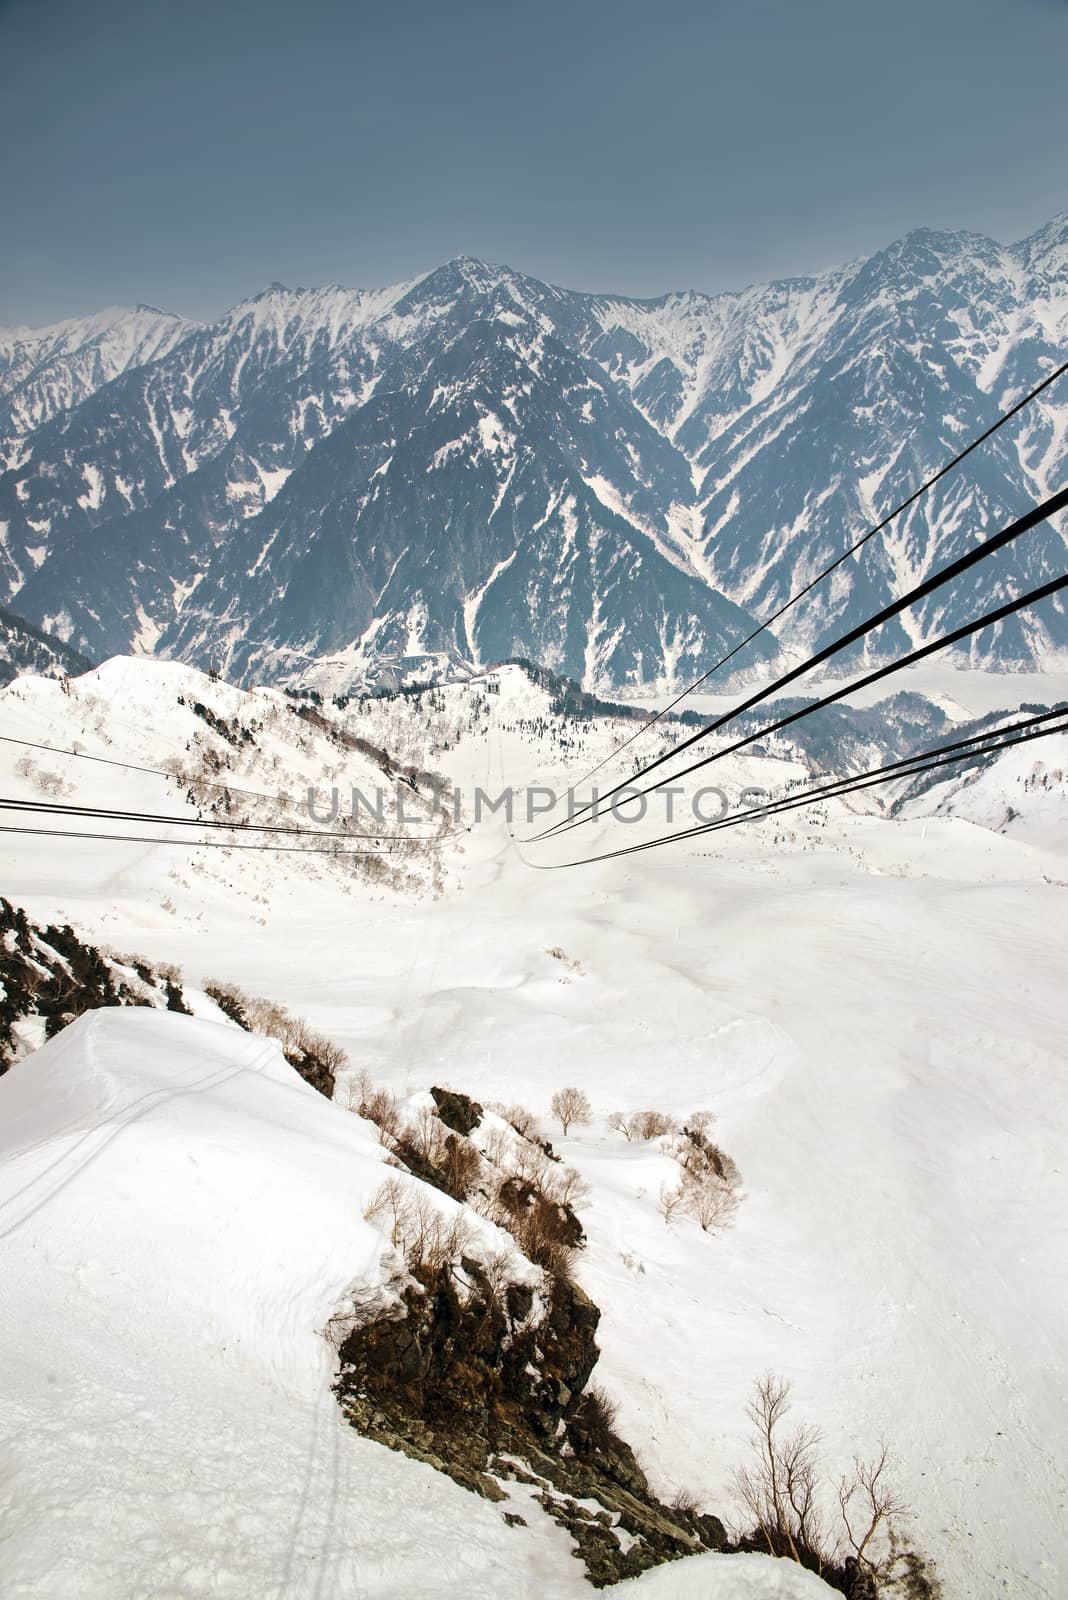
181	1216
874	1010
724	1578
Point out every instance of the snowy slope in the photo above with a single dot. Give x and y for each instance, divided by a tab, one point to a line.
24	648
873	1009
719	1578
179	1423
199	738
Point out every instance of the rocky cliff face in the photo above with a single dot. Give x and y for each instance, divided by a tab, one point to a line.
489	1390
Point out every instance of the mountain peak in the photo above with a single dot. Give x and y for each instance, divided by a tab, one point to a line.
477	274
476	461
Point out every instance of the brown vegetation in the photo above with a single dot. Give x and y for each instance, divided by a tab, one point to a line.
317	1059
570	1106
861	1551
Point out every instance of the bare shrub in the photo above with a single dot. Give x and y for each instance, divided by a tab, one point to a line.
542	1232
383	1111
545	1228
316	1058
700	1159
566	1186
640	1125
49	783
650	1124
360	1091
653	1124
304	1040
231	1000
422	1143
710	1201
377	1105
570	964
428	1238
672	1199
497	1147
599	1414
523	1121
528	1163
424	1136
460	1166
570	1106
389	1201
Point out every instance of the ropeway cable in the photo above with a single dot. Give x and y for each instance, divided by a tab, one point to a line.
198	844
131	766
102	813
954	569
907	767
826	572
997	615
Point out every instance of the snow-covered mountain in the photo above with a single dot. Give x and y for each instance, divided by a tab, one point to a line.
24	648
475	465
47	370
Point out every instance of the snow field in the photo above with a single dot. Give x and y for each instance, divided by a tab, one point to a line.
873	1010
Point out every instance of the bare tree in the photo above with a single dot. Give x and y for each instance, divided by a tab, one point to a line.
642	1124
782	1491
780	1488
671	1200
569	1106
710	1201
869	1506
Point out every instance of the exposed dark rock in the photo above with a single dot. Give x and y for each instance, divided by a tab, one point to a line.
711	1530
479	1384
175	1000
557	1220
457	1111
229	1003
51	973
313	1070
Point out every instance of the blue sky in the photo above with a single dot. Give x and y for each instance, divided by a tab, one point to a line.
185	154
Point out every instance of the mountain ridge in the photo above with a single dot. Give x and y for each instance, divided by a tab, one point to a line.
711	453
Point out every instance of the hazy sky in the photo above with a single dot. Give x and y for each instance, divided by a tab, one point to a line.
187	152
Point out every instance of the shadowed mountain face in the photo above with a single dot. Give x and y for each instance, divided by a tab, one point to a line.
24	648
476	465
